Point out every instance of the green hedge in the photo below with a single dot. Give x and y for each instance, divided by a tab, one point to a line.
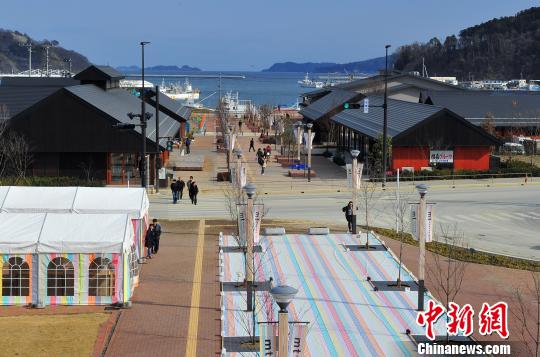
49	181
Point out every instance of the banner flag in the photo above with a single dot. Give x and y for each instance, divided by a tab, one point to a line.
297	340
257	215
243	175
309	143
268	342
429	222
360	168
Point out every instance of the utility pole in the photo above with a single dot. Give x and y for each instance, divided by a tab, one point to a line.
354	179
250	274
143	120
47	46
28	46
157	161
309	127
385	123
421	219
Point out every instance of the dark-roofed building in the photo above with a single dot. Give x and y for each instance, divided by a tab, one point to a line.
421	134
71	131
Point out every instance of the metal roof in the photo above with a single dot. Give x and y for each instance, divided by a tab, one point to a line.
402	115
508	108
116	103
94	72
329	103
171	107
406	78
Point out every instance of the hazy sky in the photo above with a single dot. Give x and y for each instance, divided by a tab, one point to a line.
244	34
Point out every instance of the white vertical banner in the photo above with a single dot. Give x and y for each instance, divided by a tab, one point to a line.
359	168
268	340
309	143
243	175
233	141
233	174
297	340
257	215
429	222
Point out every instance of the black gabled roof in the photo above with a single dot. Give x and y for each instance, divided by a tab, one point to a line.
407	78
171	107
116	103
99	73
329	104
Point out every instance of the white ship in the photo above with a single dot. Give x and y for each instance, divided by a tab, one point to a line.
236	107
309	83
178	91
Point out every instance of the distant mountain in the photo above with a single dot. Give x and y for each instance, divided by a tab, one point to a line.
503	48
366	66
14	57
159	68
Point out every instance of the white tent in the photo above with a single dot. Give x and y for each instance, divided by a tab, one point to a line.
132	201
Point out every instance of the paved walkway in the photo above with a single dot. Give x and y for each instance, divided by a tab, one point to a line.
175	309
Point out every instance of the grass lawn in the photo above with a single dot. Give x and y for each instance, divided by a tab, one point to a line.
50	335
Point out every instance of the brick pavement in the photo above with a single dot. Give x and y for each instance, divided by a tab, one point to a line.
157	324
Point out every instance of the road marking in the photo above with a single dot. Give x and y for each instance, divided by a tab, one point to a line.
191	346
512	216
527	215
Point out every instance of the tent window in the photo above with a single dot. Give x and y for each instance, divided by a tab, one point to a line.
15	277
60	277
101	278
133	264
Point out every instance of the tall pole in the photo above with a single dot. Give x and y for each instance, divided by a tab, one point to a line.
250	191
422	189
283	333
238	168
47	61
158	151
143	119
354	174
309	126
385	123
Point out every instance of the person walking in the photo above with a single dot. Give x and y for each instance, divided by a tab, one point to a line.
262	163
348	210
149	241
181	184
188	144
260	153
240	127
157	235
190	181
173	191
251	145
193	192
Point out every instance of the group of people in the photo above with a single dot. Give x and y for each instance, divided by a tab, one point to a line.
177	189
151	240
263	156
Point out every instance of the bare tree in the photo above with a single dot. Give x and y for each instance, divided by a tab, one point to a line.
448	271
528	317
367	201
15	157
401	209
265	112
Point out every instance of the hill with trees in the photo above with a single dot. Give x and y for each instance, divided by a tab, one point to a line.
503	48
14	57
367	66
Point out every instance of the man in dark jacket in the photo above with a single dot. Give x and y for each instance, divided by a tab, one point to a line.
174	191
157	235
181	184
188	144
190	181
251	145
193	192
348	210
149	241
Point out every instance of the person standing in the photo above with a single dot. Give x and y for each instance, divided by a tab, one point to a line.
157	235
149	241
193	192
262	163
173	191
190	181
188	144
251	145
348	210
240	127
181	184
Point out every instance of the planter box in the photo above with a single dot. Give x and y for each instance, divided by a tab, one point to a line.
301	173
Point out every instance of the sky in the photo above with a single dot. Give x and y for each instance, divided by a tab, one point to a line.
244	35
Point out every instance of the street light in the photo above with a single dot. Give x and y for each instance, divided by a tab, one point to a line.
283	295
250	192
143	119
354	154
422	190
309	127
298	125
239	167
385	122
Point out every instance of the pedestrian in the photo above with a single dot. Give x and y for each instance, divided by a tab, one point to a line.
264	153
259	153
262	163
157	234
149	241
268	150
240	127
193	192
348	210
251	145
188	143
190	181
173	191
181	184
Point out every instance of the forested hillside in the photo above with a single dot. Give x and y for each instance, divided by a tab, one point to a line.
14	57
504	48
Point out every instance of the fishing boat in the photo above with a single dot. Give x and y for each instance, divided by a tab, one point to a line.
178	91
237	107
309	83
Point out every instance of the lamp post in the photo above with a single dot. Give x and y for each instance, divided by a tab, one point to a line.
354	154
283	295
231	146
250	192
142	124
309	127
158	151
385	121
298	125
143	119
422	190
239	167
